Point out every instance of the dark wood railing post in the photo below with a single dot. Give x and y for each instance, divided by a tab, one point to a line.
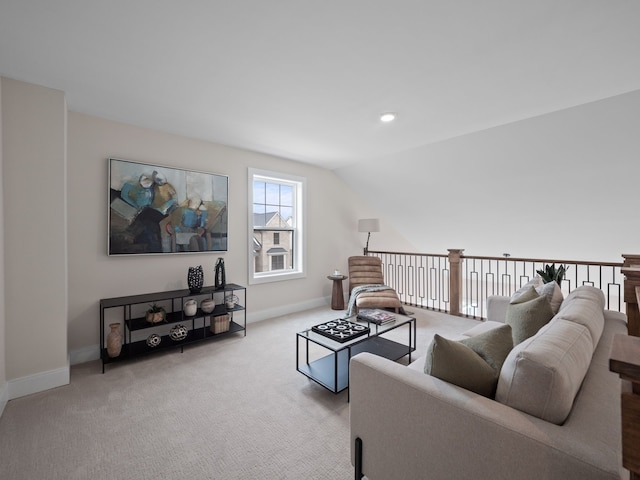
455	280
631	272
625	361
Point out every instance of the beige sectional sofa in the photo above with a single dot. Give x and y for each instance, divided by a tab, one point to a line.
556	412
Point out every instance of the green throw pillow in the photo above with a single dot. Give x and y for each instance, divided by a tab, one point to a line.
458	364
493	346
527	314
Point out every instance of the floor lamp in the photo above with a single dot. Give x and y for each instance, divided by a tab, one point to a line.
368	225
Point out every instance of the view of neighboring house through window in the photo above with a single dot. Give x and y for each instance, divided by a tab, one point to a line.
276	226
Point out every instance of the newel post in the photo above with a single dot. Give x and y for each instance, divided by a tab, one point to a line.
631	272
455	280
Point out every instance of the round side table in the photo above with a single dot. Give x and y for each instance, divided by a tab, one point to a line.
337	296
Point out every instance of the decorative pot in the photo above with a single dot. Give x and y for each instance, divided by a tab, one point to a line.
195	279
155	317
190	308
208	305
114	340
178	333
154	340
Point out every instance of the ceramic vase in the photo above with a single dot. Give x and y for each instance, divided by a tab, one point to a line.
114	340
195	279
190	308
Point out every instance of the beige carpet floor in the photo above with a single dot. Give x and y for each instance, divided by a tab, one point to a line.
235	408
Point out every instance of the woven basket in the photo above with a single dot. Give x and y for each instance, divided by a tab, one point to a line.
220	324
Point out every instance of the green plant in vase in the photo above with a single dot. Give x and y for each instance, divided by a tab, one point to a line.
552	274
156	313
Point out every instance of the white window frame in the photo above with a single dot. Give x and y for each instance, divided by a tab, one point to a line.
300	242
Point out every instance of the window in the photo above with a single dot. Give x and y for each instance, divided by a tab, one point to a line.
276	226
277	262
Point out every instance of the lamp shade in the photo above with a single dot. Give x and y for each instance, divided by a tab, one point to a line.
369	225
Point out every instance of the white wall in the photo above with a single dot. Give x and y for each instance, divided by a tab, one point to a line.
562	185
35	262
332	213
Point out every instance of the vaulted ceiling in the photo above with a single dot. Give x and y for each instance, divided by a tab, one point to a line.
308	80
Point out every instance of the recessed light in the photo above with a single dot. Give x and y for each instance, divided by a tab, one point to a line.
387	117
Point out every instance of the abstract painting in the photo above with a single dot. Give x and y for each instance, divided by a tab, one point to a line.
164	210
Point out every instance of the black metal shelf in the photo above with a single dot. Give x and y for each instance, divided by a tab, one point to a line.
198	328
141	323
168	295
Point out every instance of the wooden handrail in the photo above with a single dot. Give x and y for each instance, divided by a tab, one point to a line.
459	283
509	259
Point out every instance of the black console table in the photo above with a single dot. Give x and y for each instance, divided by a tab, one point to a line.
130	312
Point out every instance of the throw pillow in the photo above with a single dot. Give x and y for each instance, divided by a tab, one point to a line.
526	293
553	293
527	314
551	290
493	346
458	364
534	282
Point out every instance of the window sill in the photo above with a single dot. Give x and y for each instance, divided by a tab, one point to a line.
275	277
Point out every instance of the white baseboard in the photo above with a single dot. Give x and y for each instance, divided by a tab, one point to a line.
4	397
38	382
287	309
85	354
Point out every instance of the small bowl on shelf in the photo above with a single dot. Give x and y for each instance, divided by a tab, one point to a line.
231	301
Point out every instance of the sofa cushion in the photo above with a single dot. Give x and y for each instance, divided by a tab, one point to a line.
527	314
482	327
458	364
586	292
585	305
542	375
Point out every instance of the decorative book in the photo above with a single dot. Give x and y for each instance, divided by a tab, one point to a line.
377	316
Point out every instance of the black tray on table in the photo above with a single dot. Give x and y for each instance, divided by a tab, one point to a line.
340	330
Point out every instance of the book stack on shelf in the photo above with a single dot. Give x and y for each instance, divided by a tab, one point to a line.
377	316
